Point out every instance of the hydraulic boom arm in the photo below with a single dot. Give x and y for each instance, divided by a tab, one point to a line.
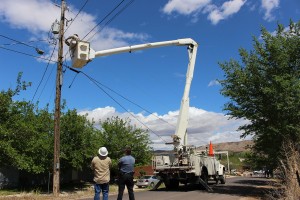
81	54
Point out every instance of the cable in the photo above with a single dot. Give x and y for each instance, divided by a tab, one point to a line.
103	19
151	113
117	14
77	15
31	41
98	85
19	42
26	54
43	75
93	80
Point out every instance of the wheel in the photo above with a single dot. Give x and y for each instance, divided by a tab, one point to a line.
217	180
151	186
171	184
204	177
222	179
174	183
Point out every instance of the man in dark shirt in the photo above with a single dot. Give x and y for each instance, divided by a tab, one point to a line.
126	171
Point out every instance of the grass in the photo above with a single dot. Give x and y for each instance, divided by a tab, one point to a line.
70	191
8	192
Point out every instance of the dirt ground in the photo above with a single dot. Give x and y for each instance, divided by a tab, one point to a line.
87	192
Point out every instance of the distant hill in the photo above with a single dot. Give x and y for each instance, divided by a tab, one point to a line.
234	147
231	146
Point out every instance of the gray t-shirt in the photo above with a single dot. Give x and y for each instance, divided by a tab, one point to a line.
126	164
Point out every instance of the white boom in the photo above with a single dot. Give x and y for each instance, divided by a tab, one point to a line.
185	165
81	54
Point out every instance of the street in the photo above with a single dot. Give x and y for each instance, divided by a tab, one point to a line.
236	188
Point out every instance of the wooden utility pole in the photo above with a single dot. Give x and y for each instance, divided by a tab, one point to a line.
56	164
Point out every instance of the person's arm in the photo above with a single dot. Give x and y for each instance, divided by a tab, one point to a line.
110	163
120	163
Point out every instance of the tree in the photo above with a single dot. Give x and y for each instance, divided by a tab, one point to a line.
24	140
117	133
26	135
264	88
79	139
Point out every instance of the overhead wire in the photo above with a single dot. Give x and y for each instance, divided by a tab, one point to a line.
19	42
26	54
103	19
144	109
109	21
99	86
76	15
31	41
65	57
94	81
44	76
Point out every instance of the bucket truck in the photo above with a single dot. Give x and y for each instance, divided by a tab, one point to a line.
184	165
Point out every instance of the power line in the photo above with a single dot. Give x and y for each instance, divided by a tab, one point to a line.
103	19
31	41
77	14
26	54
19	42
109	21
98	85
44	75
151	113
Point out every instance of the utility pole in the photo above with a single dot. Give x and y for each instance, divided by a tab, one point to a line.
56	164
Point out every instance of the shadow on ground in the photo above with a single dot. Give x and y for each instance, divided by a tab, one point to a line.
247	188
250	187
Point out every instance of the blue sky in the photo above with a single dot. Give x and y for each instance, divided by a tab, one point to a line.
154	78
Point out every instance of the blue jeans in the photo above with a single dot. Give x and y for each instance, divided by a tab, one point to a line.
101	187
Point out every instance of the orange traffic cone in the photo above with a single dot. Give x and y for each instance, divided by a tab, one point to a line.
211	151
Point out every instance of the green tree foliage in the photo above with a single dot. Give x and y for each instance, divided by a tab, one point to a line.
79	139
117	133
26	135
264	88
22	133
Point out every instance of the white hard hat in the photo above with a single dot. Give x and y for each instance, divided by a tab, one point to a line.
103	151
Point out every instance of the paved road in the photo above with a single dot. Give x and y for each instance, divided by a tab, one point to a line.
236	188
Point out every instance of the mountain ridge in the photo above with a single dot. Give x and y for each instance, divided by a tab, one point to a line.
234	147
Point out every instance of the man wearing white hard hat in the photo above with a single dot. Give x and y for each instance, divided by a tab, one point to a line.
101	165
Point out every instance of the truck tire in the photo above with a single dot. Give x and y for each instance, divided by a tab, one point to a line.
204	177
151	186
222	179
172	184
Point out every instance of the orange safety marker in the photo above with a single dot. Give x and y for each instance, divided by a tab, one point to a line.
211	150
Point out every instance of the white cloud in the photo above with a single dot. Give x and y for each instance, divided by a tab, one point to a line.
213	83
32	15
227	9
269	6
37	16
203	126
185	7
195	7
